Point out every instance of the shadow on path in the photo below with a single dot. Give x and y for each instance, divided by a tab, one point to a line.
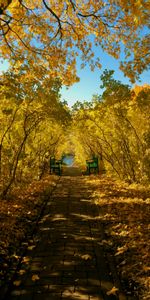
66	258
71	171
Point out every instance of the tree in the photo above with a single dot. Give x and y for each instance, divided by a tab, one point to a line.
116	128
53	34
33	124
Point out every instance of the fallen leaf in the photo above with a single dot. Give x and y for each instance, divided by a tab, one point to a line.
31	247
21	272
35	277
113	291
26	259
146	269
121	250
86	256
17	282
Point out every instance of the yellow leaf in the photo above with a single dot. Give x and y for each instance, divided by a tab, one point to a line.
112	291
17	282
26	259
86	256
121	250
35	277
31	247
21	272
146	269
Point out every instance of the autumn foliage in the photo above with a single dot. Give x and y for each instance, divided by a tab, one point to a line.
42	41
32	125
116	126
55	33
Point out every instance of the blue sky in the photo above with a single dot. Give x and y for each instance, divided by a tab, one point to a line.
90	81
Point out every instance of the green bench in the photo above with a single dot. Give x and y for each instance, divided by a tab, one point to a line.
55	166
92	165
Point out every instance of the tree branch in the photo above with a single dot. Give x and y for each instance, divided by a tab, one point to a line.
4	6
56	17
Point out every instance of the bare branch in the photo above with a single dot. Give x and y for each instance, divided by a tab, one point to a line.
73	5
56	17
2	28
23	5
9	46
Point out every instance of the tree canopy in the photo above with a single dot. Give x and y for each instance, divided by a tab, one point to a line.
32	127
53	34
115	127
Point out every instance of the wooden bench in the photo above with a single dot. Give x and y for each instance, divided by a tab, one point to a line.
55	166
92	165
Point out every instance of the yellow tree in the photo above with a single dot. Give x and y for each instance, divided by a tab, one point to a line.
33	121
55	32
116	127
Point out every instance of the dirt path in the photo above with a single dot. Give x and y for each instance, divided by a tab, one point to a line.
66	260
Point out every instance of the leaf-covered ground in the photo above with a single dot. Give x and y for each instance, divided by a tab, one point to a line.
18	218
125	211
